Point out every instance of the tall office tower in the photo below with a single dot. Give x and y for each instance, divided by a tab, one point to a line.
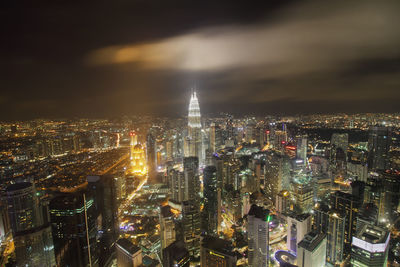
191	222
168	150
384	190
282	202
349	204
31	231
217	252
102	190
210	200
151	151
279	139
298	227
379	141
258	236
176	255
340	141
302	148
70	231
335	238
213	137
370	247
302	192
192	181
311	251
128	255
320	217
261	137
194	129
276	174
176	184
120	187
167	227
249	133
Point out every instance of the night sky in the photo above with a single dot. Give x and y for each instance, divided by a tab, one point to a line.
109	58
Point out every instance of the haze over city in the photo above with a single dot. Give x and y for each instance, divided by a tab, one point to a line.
103	59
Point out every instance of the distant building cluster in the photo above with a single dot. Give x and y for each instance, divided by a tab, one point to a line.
306	191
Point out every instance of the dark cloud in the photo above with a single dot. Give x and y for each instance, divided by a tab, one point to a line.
107	58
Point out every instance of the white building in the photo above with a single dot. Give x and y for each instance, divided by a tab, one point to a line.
311	251
298	227
258	236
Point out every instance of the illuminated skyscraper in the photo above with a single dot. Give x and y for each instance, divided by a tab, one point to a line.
137	157
191	222
335	238
194	129
31	231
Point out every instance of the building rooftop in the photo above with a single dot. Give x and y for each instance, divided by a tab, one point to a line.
311	240
259	212
372	234
217	244
128	246
177	250
299	217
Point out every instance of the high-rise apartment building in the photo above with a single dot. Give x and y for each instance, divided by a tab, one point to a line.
335	238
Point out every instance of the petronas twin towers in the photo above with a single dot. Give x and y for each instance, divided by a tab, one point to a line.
194	140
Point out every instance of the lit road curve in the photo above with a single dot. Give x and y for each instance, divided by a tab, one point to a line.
125	205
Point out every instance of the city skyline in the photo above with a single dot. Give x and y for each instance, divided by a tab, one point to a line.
280	57
200	133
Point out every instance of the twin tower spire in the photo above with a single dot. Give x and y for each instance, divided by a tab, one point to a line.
194	118
194	139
